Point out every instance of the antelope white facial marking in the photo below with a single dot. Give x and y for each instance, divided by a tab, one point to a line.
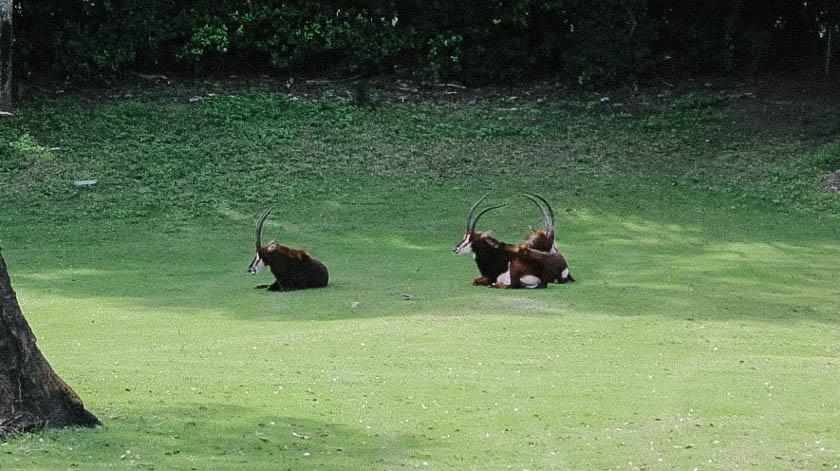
530	281
564	275
257	265
465	246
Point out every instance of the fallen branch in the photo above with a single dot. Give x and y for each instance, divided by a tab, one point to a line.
150	77
452	85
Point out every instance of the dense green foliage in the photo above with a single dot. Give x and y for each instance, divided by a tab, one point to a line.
702	332
472	41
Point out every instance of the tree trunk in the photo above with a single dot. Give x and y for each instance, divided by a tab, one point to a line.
6	40
31	393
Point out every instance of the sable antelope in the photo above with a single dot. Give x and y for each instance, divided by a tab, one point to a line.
541	239
490	255
293	269
536	262
532	264
531	268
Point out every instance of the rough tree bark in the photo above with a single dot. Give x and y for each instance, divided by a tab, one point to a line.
31	393
6	40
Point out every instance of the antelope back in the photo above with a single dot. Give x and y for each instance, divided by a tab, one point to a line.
540	240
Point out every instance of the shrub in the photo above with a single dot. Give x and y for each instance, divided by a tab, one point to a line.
472	41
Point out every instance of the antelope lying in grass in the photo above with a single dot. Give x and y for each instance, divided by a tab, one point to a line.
293	269
489	253
541	239
531	268
532	264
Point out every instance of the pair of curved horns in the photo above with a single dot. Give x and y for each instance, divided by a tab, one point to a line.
548	213
545	208
472	222
260	222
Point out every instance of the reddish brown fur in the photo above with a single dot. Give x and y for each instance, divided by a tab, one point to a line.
536	256
293	269
547	267
539	240
491	256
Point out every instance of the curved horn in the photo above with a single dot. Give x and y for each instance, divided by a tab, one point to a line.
548	213
470	225
481	213
260	222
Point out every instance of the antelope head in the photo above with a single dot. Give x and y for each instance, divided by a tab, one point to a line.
258	263
470	235
542	239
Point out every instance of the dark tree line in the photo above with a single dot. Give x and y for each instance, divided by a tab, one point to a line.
470	40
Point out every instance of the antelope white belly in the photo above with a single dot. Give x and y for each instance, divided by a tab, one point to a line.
504	278
529	281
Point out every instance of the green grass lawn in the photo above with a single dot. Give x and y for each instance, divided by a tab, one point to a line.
702	332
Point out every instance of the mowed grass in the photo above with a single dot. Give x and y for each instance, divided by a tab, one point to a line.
702	333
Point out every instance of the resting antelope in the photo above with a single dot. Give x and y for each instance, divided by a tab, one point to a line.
489	254
541	239
531	268
532	264
293	269
536	262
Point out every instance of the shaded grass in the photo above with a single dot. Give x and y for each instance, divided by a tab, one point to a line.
703	332
230	150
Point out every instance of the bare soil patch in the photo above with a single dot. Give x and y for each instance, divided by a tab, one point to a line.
830	181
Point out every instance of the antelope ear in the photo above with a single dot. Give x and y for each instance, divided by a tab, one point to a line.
532	229
486	234
272	245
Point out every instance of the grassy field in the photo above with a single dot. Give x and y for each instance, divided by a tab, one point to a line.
703	332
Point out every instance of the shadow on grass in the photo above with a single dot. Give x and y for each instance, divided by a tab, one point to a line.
216	436
758	271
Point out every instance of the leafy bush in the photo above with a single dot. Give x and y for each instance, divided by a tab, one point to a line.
472	41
